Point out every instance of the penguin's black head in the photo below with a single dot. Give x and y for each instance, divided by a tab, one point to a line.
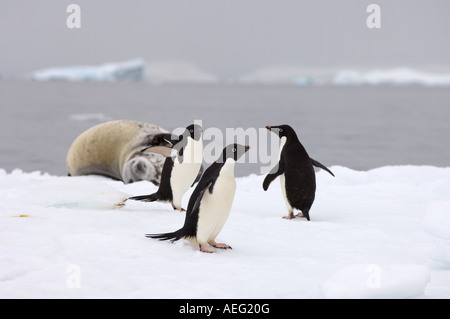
282	130
234	151
194	131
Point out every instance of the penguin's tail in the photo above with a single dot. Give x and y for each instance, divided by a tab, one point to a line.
176	235
146	198
306	214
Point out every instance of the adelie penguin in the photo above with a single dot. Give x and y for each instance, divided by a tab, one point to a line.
296	171
210	203
181	168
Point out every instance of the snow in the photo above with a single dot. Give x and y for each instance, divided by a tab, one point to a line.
437	223
364	281
381	233
437	219
131	70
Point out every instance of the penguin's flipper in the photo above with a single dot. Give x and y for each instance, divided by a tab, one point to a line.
320	165
178	143
146	198
201	191
206	182
274	173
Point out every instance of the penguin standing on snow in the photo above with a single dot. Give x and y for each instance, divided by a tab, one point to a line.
180	169
297	175
210	203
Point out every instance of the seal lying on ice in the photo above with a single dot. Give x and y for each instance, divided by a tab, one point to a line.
125	150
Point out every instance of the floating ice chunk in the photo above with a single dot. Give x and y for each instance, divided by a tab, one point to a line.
366	281
348	77
85	117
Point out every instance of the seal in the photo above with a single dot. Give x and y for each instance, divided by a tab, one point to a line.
181	169
210	203
124	150
296	171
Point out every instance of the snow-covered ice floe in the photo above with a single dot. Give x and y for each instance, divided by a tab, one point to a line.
368	281
372	234
437	223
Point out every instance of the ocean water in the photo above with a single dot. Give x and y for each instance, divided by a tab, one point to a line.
359	127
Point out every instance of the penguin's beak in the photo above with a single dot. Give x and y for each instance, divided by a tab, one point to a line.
247	148
269	127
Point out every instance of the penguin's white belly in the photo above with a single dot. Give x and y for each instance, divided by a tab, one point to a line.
215	209
283	191
182	177
282	177
183	174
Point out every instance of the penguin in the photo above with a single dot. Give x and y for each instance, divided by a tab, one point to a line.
181	169
210	202
296	171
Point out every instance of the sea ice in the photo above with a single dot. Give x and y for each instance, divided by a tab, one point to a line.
65	237
369	281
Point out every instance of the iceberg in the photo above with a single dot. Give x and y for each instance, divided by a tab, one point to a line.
396	76
297	75
131	70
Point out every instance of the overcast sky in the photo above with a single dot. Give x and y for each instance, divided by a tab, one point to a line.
225	37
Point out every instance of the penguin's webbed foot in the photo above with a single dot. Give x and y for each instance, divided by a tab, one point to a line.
219	245
290	216
205	250
299	215
180	209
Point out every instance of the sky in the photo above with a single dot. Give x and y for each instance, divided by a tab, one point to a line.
227	38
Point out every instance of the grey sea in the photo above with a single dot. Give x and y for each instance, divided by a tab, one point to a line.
359	127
